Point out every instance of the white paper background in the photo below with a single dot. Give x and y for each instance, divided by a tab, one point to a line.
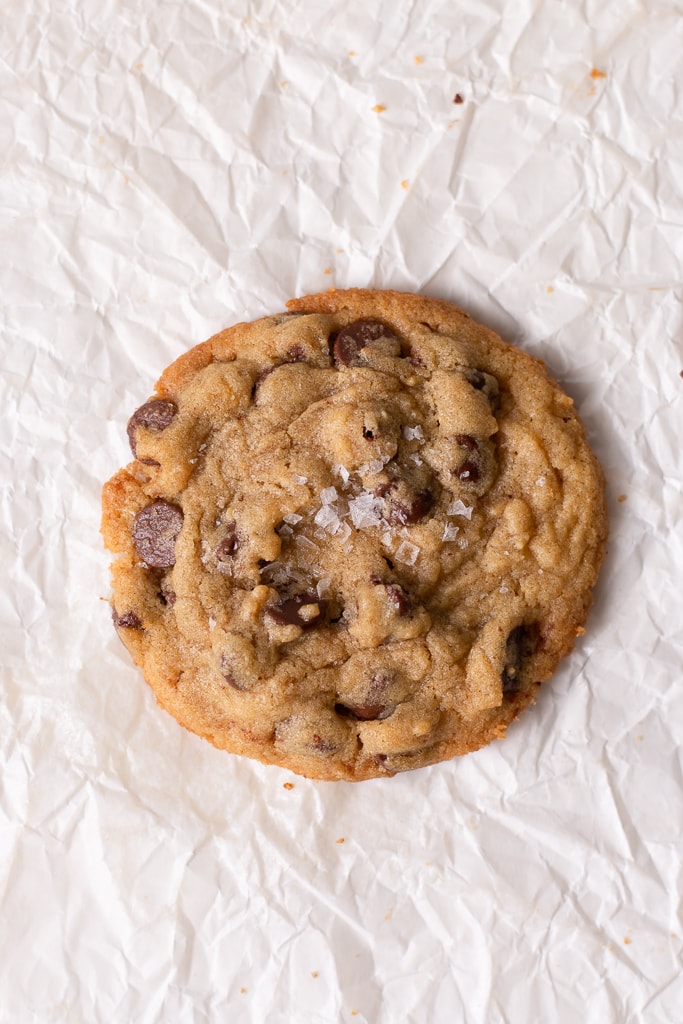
168	169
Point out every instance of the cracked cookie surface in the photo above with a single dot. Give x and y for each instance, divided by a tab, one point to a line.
356	536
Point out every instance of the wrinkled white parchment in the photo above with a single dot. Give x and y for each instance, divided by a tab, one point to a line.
168	169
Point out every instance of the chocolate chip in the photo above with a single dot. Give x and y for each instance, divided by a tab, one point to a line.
129	620
260	379
166	595
458	98
348	343
296	354
322	745
468	472
227	672
228	545
408	513
374	706
520	644
291	611
154	416
486	383
467	441
399	599
155	531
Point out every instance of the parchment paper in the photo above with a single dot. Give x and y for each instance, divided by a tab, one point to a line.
169	168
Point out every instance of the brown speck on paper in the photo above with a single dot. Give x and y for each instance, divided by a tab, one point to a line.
418	60
550	289
621	498
288	785
243	991
327	270
314	974
379	108
341	840
352	53
596	73
404	183
681	374
627	941
458	98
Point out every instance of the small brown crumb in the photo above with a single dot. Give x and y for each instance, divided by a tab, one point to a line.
242	991
138	67
338	250
327	270
284	83
354	1013
639	739
341	840
352	53
550	289
580	631
288	785
314	974
621	498
458	98
418	60
596	73
379	108
681	374
627	941
404	183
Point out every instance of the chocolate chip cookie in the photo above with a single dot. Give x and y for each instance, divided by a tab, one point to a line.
356	536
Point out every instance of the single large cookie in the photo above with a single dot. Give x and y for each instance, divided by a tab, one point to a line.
356	537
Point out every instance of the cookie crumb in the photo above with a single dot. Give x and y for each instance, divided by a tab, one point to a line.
243	991
681	374
379	108
621	498
627	941
597	73
341	840
404	183
314	974
283	83
458	98
352	53
327	270
418	60
288	785
550	289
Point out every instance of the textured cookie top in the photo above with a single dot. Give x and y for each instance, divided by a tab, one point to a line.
356	536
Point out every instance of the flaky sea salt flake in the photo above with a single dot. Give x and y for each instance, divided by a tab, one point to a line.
407	553
292	518
458	508
450	532
328	495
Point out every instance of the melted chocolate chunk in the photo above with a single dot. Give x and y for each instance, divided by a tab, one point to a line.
348	343
296	354
154	416
521	643
166	595
129	620
227	672
486	383
260	379
374	707
292	611
155	531
409	513
469	472
228	545
398	599
467	441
